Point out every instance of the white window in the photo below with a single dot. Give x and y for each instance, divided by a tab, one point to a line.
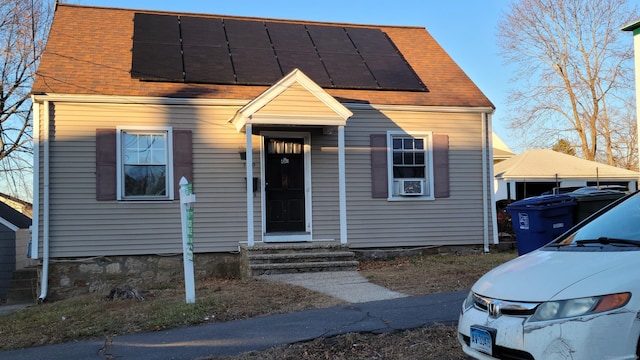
144	163
410	167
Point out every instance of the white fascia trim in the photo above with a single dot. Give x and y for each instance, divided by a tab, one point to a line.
418	108
292	119
247	113
136	100
6	223
295	76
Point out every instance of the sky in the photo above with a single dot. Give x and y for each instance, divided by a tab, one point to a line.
466	29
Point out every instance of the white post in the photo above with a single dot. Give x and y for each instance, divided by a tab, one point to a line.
249	176
342	186
187	198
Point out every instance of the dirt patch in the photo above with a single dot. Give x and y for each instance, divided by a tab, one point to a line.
435	342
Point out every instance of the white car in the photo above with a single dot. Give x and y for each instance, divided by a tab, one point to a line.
577	297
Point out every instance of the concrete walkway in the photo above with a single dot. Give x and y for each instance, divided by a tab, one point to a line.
349	286
14	307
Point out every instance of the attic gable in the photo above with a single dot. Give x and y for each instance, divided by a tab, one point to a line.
269	108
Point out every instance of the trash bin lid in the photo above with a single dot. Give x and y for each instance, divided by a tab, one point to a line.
543	200
597	195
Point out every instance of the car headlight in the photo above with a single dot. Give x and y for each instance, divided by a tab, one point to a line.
553	310
468	302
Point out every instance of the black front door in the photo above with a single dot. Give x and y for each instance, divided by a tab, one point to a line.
284	185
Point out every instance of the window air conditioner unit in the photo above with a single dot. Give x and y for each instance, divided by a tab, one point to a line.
411	187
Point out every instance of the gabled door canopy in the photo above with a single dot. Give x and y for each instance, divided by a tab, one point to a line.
253	113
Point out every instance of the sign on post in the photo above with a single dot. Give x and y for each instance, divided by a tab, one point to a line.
187	198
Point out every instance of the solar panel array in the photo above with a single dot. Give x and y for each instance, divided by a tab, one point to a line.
250	52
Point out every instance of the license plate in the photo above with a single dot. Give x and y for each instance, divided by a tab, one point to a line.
482	339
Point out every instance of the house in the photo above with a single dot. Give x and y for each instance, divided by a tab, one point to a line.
635	30
290	132
536	171
501	151
14	240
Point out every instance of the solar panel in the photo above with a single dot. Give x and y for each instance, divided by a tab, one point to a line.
308	62
289	37
392	73
156	28
231	51
294	49
202	31
156	44
160	62
205	51
331	39
255	66
348	71
371	41
244	34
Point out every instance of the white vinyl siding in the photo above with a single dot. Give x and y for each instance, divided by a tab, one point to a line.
81	226
457	219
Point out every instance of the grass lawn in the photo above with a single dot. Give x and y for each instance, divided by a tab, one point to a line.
93	316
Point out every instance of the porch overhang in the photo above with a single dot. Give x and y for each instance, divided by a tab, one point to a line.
313	106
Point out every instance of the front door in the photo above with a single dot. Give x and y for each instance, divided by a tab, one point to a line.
284	185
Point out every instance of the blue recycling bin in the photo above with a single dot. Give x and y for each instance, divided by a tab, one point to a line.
540	219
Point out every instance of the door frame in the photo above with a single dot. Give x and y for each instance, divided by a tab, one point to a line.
294	236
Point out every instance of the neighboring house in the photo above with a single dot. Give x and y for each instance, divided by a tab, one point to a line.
14	241
635	30
537	171
290	131
501	151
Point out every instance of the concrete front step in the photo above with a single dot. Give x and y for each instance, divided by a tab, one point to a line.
282	248
303	257
281	258
284	268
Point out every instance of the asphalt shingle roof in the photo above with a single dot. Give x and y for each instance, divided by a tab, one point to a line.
89	51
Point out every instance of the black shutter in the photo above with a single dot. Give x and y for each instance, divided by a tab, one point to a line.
105	164
182	158
379	182
441	166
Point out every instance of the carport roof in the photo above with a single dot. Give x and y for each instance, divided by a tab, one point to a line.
544	164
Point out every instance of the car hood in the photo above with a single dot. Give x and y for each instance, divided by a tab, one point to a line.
542	275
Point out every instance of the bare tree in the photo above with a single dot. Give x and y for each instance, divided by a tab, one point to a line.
24	26
574	72
565	147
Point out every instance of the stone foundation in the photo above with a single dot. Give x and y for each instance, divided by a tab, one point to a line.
71	277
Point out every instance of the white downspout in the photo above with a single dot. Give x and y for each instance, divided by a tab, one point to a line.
35	216
485	178
44	280
491	181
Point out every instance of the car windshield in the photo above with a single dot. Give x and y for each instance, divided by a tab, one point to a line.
616	227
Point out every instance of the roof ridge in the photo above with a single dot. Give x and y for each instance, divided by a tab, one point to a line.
240	17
